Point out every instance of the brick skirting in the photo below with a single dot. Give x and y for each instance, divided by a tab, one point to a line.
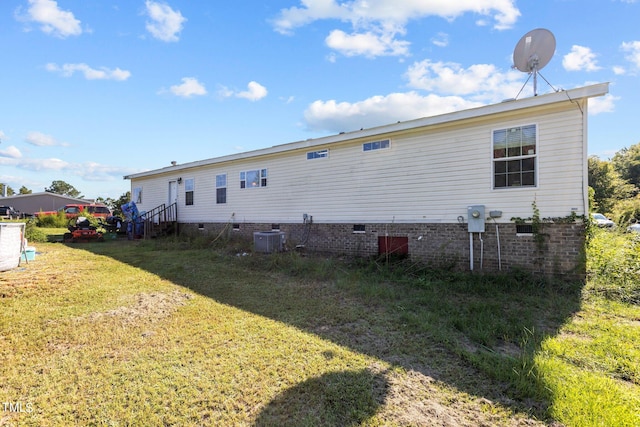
559	252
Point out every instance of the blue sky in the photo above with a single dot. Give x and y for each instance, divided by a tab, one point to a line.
92	90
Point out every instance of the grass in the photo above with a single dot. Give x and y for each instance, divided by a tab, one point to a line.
174	332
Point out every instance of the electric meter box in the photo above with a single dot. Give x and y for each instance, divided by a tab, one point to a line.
475	218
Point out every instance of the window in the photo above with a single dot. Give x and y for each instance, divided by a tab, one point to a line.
137	195
189	186
221	188
253	179
376	145
320	154
359	228
514	157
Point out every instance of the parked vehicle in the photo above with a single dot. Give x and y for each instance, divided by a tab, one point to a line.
602	221
99	211
634	227
73	210
7	212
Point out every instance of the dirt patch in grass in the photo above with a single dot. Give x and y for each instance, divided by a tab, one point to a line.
417	399
148	306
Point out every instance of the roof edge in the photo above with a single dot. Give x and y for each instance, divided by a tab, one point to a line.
570	95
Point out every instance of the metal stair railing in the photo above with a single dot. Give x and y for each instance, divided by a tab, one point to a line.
161	217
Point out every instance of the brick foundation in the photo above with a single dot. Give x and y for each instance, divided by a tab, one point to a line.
561	253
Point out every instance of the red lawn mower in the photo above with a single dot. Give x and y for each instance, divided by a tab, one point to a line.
81	231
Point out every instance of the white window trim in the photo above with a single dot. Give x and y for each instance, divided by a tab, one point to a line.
263	174
536	156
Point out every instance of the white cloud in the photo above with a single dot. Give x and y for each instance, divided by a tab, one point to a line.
441	40
2	136
633	48
190	87
92	171
451	88
11	151
393	12
580	59
255	91
89	171
602	104
376	24
480	82
618	70
367	44
35	164
42	140
103	73
165	23
379	110
52	19
225	92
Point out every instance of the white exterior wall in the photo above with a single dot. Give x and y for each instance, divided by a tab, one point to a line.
429	175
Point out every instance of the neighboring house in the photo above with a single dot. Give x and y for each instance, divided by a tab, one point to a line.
408	187
36	202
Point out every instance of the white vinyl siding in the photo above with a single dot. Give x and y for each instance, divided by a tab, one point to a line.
431	175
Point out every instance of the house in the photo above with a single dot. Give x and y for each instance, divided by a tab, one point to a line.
43	201
466	190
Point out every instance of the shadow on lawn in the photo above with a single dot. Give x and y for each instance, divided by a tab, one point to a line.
478	334
338	399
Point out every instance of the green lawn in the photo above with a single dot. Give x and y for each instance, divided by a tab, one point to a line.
183	333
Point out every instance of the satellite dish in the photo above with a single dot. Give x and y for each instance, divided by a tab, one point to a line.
534	50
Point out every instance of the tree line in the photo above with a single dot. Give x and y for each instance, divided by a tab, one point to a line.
614	185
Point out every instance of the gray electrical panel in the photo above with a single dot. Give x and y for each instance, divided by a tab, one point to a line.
475	218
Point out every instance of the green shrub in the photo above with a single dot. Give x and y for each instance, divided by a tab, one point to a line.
52	221
613	265
33	233
60	220
626	210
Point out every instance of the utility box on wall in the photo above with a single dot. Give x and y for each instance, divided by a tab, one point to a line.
475	218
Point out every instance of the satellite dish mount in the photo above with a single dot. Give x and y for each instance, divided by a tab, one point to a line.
534	50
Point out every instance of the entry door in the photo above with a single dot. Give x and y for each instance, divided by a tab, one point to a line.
173	192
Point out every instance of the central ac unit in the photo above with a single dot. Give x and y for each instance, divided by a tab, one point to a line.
268	241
